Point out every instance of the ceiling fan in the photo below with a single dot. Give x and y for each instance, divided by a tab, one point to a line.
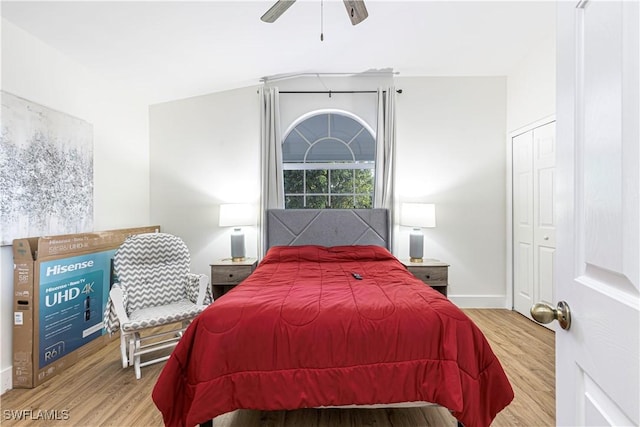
356	10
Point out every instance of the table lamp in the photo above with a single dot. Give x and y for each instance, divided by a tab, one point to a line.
236	215
418	216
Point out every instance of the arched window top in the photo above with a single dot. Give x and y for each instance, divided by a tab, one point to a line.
328	161
328	136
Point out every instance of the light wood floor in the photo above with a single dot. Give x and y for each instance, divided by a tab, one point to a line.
98	392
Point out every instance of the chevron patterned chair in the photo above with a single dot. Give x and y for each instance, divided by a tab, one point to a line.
154	288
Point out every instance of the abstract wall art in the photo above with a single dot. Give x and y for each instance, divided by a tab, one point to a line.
46	171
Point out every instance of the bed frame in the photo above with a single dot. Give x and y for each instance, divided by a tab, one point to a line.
328	227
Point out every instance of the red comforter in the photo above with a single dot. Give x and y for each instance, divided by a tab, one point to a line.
301	332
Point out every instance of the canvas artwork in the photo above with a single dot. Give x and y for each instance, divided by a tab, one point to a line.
46	171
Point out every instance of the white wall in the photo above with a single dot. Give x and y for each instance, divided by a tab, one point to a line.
450	151
531	86
451	133
205	151
37	72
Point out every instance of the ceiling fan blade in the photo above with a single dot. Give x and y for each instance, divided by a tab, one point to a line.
357	10
278	8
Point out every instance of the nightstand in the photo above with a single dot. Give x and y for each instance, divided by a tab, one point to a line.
432	272
225	274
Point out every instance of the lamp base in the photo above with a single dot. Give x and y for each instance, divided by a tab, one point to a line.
237	245
416	245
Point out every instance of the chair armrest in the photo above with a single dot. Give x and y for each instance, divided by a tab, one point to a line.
204	293
199	291
115	313
117	297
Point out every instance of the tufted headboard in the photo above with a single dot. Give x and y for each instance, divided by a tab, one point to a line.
327	227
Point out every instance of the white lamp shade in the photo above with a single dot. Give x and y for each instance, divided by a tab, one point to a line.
418	215
237	214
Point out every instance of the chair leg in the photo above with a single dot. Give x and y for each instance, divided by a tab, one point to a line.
185	323
149	343
132	343
123	349
136	356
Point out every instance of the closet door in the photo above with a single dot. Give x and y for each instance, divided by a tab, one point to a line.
523	293
533	216
544	230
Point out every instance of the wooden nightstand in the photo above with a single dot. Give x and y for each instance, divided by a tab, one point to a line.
432	272
225	274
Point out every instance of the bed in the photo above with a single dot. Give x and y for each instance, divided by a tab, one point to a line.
330	318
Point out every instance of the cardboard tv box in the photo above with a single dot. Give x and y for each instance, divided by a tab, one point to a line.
61	287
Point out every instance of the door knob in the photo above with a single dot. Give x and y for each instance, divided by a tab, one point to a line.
544	313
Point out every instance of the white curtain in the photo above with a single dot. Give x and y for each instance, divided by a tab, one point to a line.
385	153
272	195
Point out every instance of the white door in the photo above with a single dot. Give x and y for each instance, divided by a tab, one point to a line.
544	230
598	227
534	236
523	291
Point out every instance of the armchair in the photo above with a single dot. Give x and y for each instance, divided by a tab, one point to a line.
154	288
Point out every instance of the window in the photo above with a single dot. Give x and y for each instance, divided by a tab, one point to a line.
329	162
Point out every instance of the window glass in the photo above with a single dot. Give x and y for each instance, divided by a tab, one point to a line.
328	151
329	162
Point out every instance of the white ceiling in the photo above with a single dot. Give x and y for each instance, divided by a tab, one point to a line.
176	49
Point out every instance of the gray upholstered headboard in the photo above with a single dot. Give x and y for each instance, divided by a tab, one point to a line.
327	227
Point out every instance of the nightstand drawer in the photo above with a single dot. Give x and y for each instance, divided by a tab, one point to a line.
430	275
225	274
430	272
230	273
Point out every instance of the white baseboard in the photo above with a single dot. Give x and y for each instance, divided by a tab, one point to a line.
6	379
479	301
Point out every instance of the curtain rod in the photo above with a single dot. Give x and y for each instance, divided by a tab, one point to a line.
335	91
